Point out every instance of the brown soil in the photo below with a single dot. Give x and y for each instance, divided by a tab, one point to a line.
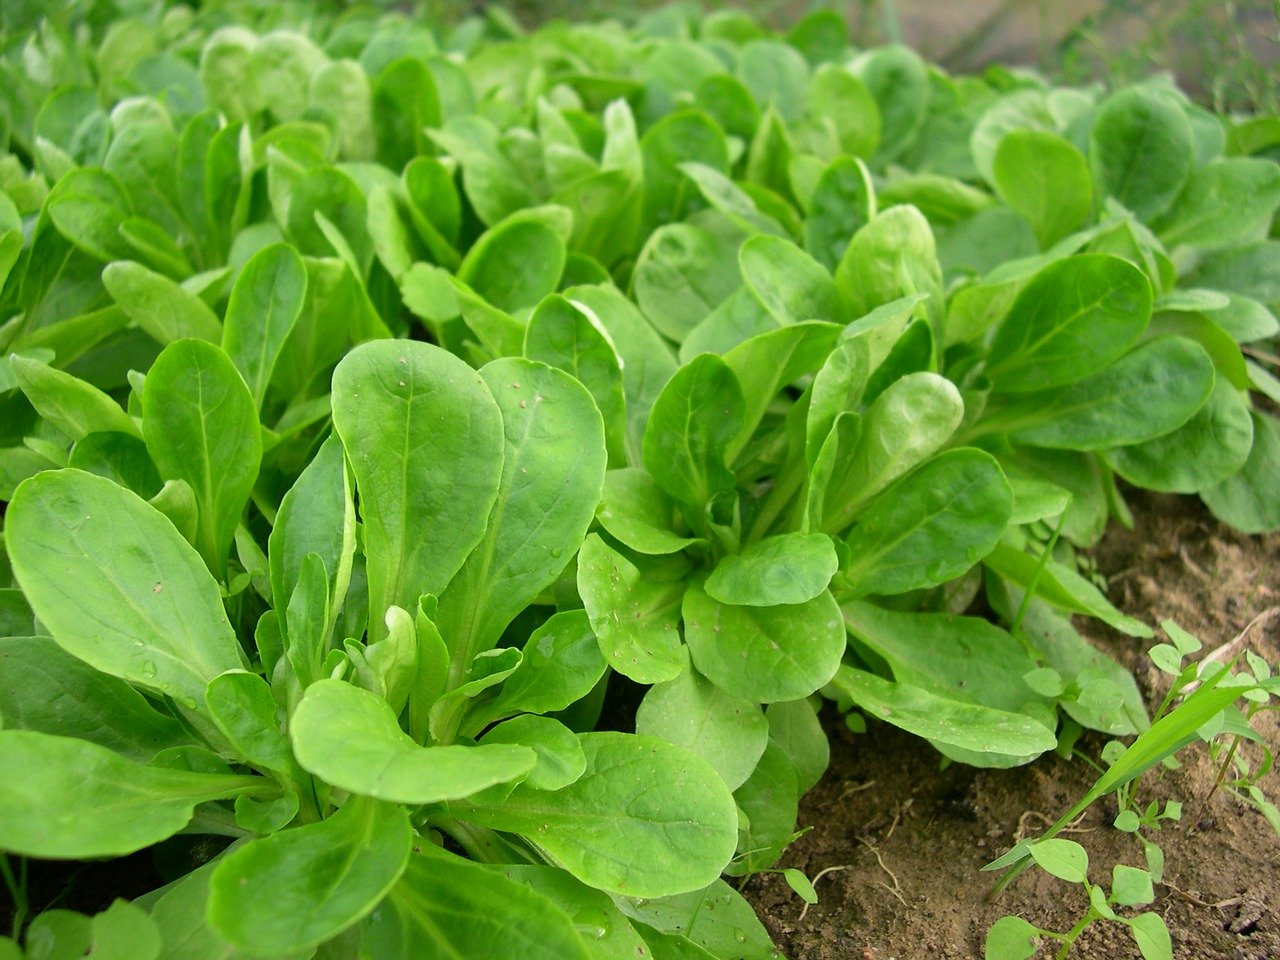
905	841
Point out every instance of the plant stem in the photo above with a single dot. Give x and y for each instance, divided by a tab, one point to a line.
17	890
1073	934
217	821
780	494
889	22
1030	593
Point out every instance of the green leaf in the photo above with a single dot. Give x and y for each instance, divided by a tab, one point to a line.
634	618
718	920
59	934
838	97
1140	149
1046	179
789	568
1206	450
1065	859
120	457
1247	271
769	802
776	74
570	337
515	264
1073	318
297	888
636	512
647	362
728	732
241	705
1129	822
683	273
494	183
905	425
789	283
892	256
608	933
795	728
425	492
1152	936
667	808
793	649
1061	586
1226	202
766	363
698	414
116	585
184	928
562	663
265	303
968	726
68	403
1149	392
965	658
931	525
1011	938
340	90
63	798
328	215
405	102
124	931
843	201
201	427
560	757
684	135
1249	500
552	474
899	82
350	738
1131	887
316	516
49	691
446	907
837	389
731	200
801	884
86	206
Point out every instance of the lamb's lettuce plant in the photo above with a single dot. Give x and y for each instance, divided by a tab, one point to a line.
757	364
475	489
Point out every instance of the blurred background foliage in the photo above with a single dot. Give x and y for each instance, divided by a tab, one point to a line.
1225	53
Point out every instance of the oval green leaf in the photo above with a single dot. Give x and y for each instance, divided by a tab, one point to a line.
764	654
116	585
350	738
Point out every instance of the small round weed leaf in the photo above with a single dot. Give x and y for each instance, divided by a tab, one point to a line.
1011	938
1045	681
1166	658
1113	751
125	930
1151	936
1098	900
1184	641
1127	821
801	884
1155	860
1130	886
1065	859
